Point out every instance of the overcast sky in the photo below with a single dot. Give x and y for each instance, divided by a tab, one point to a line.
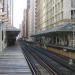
19	6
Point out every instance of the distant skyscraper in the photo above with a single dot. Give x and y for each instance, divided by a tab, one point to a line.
28	4
32	9
31	19
28	24
27	17
24	26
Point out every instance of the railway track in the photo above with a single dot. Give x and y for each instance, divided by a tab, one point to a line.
47	62
37	66
57	58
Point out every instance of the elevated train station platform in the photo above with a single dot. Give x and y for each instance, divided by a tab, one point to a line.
59	39
12	62
8	35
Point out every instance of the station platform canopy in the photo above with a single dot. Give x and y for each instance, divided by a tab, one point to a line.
10	30
68	27
11	34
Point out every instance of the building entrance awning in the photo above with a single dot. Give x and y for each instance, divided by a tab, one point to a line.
58	29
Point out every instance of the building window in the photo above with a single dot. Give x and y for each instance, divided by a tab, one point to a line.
72	14
73	3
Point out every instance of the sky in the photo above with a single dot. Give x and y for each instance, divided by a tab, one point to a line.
19	6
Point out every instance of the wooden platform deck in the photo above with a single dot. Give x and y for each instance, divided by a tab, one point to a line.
12	62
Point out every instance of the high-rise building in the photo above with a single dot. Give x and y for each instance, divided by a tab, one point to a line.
23	26
8	8
6	23
55	16
51	13
28	4
10	11
25	23
29	25
32	9
31	19
27	18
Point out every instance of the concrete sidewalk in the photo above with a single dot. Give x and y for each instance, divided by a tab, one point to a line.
12	62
